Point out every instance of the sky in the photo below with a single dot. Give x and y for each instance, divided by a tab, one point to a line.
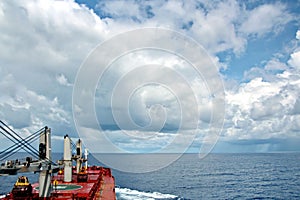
153	76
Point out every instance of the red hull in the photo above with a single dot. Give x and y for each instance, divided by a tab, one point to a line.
100	184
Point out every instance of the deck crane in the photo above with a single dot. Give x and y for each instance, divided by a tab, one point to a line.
43	164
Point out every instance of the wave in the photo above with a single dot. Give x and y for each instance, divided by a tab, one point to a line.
126	194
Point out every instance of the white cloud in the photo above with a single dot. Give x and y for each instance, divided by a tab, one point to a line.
213	26
218	26
62	80
48	30
28	111
296	123
17	116
298	35
265	19
174	85
275	64
120	9
216	30
42	44
264	109
295	60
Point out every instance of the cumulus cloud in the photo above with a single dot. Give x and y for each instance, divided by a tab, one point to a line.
266	18
153	78
62	80
296	123
43	43
18	116
26	111
298	35
212	24
216	29
275	64
264	106
295	60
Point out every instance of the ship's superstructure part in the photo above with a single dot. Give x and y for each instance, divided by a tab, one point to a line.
56	181
67	159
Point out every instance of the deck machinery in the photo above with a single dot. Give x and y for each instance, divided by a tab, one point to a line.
63	180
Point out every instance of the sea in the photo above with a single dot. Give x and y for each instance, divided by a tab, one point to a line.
217	176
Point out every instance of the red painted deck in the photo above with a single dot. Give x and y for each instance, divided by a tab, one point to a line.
100	185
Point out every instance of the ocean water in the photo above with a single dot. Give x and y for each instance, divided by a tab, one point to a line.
217	176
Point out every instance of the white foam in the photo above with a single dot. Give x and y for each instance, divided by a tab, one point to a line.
125	193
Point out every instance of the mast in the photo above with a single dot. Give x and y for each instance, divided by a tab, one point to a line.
86	158
45	155
78	156
67	159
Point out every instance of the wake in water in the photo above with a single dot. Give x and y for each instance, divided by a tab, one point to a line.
126	194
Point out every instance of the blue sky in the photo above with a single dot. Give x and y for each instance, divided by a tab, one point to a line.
44	46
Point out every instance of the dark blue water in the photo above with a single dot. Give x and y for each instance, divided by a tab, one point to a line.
218	176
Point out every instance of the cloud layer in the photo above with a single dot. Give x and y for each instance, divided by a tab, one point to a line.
43	43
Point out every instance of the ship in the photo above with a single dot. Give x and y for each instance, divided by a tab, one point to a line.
69	178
